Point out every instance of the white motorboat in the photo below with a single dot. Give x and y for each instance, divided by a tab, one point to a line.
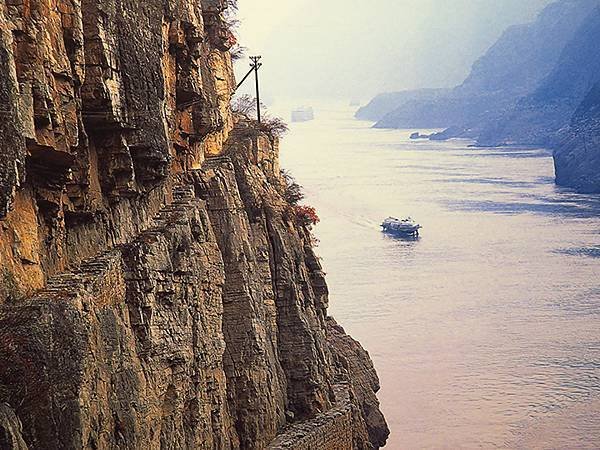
303	114
405	226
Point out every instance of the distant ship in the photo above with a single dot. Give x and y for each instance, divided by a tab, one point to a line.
401	226
303	114
354	102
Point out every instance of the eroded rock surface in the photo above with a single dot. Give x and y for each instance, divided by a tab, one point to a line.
11	437
156	290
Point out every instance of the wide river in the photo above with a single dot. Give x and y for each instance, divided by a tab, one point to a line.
486	330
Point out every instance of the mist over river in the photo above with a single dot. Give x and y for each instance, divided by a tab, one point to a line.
485	331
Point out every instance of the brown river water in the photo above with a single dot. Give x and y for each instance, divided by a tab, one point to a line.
486	330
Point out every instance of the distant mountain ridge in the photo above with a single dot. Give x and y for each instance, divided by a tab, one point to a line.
529	88
525	54
512	68
563	113
385	103
539	117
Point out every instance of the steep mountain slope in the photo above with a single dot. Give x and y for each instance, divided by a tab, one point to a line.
157	290
539	117
384	104
511	69
577	157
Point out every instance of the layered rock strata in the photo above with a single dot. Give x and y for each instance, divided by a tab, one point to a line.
156	289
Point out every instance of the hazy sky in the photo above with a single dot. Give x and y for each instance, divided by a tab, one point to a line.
356	48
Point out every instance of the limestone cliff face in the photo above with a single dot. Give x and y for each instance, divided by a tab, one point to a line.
156	290
101	101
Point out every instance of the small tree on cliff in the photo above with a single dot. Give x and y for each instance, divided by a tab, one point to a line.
244	105
238	52
274	126
292	193
306	215
232	24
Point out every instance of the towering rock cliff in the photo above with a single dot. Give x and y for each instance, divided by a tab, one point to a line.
577	157
156	289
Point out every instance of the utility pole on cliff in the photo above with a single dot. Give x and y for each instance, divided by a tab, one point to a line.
256	64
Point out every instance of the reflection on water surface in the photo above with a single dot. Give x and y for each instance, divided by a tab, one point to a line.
485	329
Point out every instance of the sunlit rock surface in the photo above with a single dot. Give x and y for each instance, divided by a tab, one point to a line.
156	290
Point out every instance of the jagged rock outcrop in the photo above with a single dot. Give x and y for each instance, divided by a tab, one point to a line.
99	111
365	382
156	289
11	430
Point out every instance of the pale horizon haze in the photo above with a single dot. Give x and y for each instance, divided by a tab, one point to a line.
354	49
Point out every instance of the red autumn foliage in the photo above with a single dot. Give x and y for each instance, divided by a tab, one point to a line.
231	40
306	215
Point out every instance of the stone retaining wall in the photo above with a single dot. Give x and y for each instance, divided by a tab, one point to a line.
331	430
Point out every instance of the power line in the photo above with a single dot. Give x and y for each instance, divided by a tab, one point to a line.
254	66
257	65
